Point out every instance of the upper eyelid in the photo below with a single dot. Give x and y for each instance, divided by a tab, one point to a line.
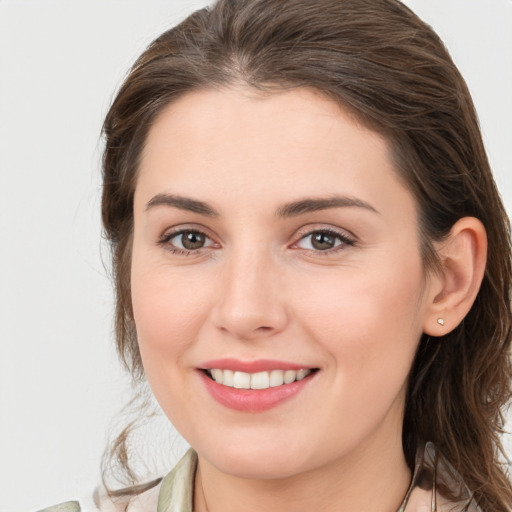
183	228
308	230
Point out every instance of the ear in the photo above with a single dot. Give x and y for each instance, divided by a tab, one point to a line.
452	291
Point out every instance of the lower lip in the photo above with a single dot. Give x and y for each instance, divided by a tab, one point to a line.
253	400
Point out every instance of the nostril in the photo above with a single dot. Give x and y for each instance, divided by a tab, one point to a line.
264	328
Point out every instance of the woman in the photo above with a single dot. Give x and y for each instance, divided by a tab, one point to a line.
312	262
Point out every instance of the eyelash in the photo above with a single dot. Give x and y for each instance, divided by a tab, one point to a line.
342	237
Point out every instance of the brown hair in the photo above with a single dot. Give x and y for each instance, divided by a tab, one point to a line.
381	61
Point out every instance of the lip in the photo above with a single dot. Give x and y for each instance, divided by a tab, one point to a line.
253	400
259	365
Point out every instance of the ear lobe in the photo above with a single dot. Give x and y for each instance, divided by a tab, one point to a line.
463	256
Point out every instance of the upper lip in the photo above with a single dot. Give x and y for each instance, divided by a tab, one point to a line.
259	365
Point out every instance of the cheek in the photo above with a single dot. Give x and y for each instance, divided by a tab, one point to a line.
168	309
370	322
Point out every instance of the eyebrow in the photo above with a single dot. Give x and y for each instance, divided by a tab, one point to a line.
293	209
317	204
183	203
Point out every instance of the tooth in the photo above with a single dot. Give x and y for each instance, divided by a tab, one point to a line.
242	380
302	373
227	378
217	375
260	380
276	378
289	376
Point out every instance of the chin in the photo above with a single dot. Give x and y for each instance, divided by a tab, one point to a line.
260	468
259	461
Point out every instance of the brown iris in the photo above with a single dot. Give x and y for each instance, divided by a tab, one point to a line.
192	240
323	241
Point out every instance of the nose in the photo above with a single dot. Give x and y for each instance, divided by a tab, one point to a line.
250	302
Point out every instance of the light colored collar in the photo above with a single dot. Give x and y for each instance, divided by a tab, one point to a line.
177	488
435	486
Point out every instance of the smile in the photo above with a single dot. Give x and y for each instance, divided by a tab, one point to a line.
259	380
262	386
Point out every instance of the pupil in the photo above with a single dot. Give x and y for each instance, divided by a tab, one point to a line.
192	240
323	241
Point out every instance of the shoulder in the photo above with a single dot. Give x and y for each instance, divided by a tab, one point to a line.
436	486
129	502
101	501
68	506
173	493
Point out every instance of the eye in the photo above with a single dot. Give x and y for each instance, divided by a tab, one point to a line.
186	240
323	240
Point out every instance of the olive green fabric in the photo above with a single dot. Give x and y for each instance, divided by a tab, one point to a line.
68	506
177	490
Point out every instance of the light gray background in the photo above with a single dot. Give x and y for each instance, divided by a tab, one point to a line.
60	62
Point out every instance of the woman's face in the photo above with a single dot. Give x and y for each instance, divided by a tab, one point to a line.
272	234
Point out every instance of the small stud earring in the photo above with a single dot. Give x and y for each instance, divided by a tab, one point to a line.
440	321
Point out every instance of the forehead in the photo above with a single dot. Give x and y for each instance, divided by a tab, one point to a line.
245	110
238	141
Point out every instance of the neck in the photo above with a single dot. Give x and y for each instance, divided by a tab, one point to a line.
372	478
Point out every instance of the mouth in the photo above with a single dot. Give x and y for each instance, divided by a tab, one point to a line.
256	391
259	380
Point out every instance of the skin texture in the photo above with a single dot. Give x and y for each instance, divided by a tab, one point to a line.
259	289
